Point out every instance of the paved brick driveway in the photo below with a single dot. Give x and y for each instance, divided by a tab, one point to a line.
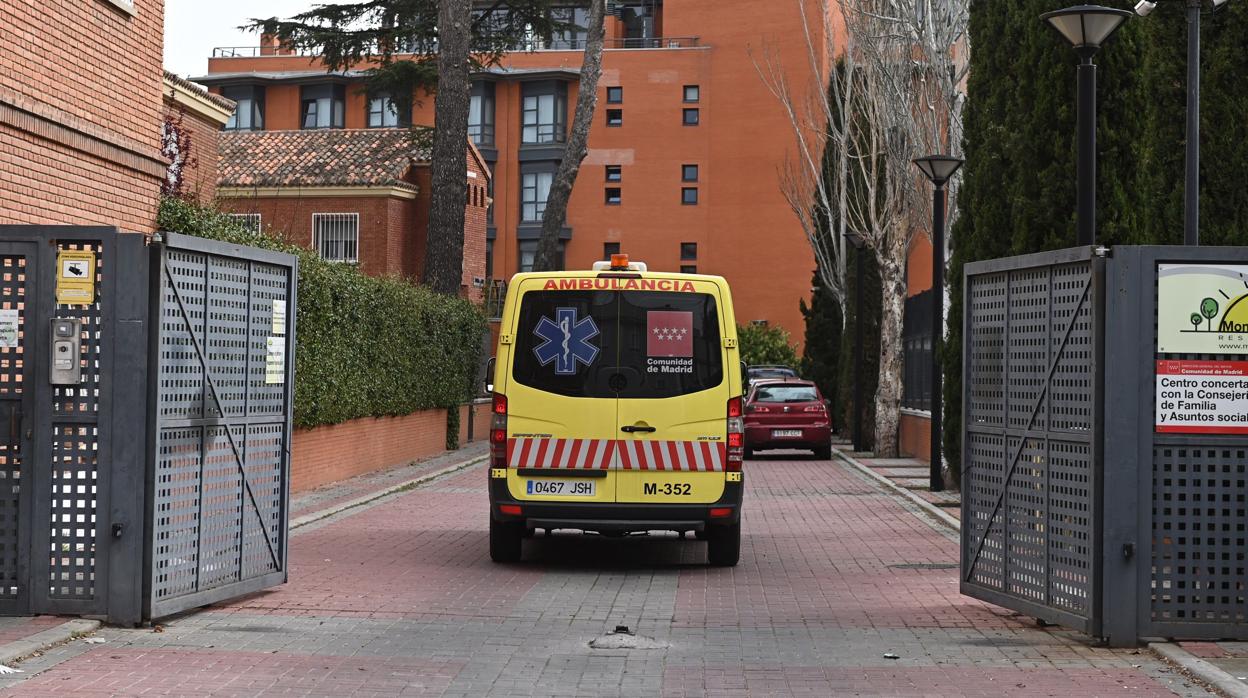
400	599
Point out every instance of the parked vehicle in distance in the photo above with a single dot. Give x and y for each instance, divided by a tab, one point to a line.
787	413
754	374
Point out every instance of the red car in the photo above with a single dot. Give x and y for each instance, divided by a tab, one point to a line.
787	414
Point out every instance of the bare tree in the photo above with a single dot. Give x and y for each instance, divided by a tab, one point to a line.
891	96
547	257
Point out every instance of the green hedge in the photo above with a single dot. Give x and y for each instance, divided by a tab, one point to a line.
760	345
367	346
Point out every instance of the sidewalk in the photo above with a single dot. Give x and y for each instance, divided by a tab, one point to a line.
910	474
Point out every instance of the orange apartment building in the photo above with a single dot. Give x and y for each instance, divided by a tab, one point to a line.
684	152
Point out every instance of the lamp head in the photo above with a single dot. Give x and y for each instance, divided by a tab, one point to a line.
1145	8
1087	27
939	168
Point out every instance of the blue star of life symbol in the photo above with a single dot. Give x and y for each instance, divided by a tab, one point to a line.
566	341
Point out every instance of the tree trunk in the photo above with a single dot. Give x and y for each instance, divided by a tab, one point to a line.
444	255
547	257
892	310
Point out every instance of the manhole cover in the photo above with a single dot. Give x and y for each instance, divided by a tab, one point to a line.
926	566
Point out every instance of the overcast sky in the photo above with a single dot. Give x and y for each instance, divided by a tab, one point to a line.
194	27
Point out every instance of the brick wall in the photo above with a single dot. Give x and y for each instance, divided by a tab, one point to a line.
328	454
480	424
382	221
474	227
80	101
915	436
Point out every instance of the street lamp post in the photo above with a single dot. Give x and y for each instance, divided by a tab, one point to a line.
1191	180
938	168
1086	27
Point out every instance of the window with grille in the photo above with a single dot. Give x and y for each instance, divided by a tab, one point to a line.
250	221
916	340
545	106
336	236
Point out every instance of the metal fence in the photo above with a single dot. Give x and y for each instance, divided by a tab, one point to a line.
108	346
1078	508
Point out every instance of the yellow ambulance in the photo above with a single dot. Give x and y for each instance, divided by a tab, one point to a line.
617	408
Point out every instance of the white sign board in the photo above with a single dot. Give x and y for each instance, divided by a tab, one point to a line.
1202	397
10	323
275	361
279	317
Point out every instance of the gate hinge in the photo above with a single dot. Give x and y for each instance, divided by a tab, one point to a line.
730	343
1101	251
504	339
1128	551
117	528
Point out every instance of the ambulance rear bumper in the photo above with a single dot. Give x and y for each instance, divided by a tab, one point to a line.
618	517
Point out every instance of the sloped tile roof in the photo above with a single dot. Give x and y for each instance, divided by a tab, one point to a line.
322	157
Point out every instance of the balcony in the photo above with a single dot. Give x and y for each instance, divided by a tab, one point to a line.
659	42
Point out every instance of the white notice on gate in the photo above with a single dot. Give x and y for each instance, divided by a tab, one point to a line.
279	317
9	322
275	362
1202	397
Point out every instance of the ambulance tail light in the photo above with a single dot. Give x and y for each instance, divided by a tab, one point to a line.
498	432
736	436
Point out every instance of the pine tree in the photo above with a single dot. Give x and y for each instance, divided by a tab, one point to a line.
820	358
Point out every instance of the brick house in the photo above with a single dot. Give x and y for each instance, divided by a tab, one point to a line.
80	127
193	119
359	196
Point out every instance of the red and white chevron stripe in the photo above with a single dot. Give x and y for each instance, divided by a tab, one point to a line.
576	454
605	454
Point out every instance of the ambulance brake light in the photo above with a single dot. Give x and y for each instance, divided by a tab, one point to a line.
721	512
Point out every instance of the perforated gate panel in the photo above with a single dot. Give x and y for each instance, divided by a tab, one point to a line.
1029	471
14	404
223	423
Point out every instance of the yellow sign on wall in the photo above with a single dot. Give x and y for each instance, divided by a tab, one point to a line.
75	277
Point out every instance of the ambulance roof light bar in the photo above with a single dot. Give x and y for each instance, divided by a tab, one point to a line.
619	262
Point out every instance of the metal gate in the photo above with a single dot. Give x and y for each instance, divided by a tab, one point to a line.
222	407
1031	462
156	479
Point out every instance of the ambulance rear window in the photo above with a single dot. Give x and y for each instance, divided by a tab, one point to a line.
670	344
626	344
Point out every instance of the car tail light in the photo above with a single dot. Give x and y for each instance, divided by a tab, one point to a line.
498	433
736	436
814	408
760	408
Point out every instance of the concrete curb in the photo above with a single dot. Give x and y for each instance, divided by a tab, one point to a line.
380	494
1221	681
11	652
930	509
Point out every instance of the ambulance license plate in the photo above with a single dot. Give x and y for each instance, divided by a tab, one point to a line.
786	433
561	488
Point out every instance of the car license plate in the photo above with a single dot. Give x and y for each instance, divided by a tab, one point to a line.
561	488
786	433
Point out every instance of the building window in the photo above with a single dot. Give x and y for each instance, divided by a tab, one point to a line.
534	190
489	259
489	192
692	117
323	106
916	342
689	196
613	196
615	173
545	108
610	248
481	114
615	117
688	251
526	252
688	269
336	236
615	95
575	21
688	173
250	221
693	93
383	112
249	114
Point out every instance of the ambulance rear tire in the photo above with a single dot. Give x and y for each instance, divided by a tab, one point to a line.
749	453
723	545
505	541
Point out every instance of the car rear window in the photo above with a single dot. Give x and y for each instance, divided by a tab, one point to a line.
786	393
627	344
669	344
587	321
